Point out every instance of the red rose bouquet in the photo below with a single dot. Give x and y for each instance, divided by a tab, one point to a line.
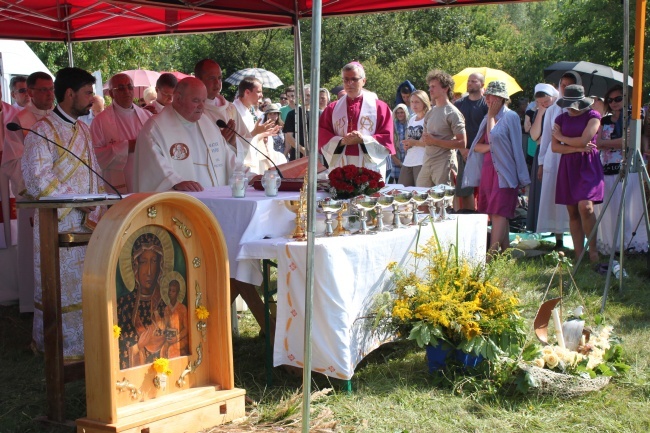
350	181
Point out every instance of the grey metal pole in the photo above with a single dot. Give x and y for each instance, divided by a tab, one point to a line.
633	161
298	79
311	207
70	58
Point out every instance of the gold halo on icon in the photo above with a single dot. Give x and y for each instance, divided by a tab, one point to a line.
125	261
164	286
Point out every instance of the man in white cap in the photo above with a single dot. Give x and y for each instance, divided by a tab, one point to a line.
358	129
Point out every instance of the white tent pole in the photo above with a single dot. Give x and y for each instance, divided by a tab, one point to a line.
311	206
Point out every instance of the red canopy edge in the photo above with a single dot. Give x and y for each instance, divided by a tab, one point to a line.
84	20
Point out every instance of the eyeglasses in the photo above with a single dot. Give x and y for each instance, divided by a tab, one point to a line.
283	99
123	88
351	80
43	89
616	99
22	90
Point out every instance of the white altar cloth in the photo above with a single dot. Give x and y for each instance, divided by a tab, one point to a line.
246	219
348	272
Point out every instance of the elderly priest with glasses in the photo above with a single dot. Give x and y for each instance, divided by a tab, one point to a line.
357	129
181	147
114	132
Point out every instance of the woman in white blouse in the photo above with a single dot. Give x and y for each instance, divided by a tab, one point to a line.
412	164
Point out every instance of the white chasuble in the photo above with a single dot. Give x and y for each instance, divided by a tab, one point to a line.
50	171
170	150
375	156
228	112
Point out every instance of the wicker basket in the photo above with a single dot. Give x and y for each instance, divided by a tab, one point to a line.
562	385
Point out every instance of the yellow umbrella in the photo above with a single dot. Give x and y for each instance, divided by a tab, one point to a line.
490	75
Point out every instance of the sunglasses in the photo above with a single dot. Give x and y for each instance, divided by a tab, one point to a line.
617	99
283	99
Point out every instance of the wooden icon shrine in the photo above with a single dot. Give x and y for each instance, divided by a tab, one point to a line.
156	312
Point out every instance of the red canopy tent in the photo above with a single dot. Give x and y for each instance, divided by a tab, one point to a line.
84	20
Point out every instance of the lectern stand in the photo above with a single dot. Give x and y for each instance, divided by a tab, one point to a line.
57	373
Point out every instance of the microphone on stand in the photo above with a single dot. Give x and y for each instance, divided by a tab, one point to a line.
13	126
222	124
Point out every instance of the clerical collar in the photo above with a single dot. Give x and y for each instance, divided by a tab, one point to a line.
358	98
63	115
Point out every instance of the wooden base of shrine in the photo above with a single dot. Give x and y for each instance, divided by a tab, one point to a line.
186	411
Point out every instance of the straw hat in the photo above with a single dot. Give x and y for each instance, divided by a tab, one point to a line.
273	108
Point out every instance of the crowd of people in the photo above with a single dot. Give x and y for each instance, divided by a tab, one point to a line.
472	142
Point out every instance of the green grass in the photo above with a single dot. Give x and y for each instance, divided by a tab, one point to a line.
393	391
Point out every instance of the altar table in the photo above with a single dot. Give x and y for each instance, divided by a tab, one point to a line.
349	272
247	219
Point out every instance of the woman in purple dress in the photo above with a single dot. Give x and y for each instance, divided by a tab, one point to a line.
580	182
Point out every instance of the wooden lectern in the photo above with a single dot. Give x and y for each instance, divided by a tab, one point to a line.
156	265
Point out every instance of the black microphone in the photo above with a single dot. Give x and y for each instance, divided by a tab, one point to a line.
222	124
13	126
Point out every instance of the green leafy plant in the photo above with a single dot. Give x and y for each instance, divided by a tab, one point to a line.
447	298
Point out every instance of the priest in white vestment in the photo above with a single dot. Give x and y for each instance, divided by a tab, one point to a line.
114	132
250	93
40	88
8	223
357	129
217	107
8	167
181	148
51	171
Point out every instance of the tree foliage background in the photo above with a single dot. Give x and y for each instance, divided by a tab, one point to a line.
519	38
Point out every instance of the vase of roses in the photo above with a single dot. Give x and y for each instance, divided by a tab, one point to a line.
350	181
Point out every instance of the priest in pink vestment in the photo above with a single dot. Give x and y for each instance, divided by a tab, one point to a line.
115	131
357	129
